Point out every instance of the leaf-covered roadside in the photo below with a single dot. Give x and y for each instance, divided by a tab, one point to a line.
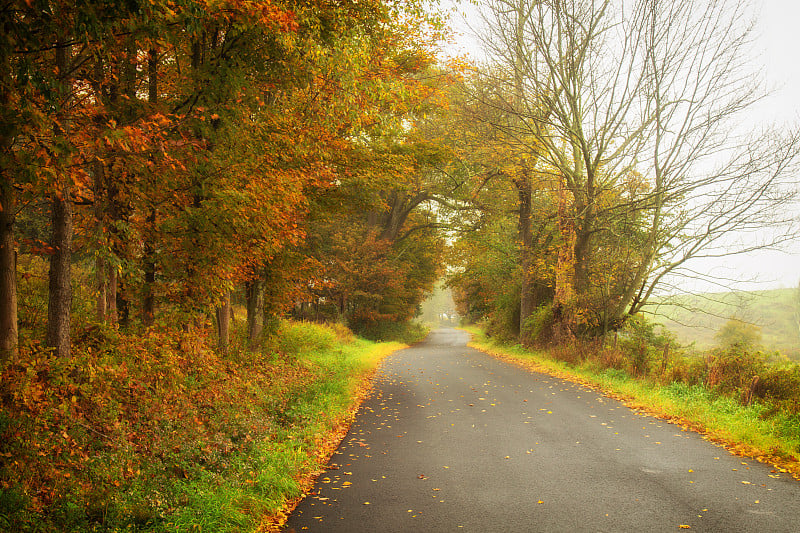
161	434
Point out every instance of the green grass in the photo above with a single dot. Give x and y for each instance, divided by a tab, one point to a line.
756	430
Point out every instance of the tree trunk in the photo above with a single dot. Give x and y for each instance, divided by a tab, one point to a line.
9	334
254	294
563	299
527	293
101	277
123	304
149	267
148	298
60	275
101	286
149	262
224	324
119	212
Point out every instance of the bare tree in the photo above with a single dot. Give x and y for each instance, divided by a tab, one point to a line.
653	88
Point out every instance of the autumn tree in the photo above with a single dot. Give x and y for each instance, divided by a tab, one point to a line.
654	89
45	48
737	332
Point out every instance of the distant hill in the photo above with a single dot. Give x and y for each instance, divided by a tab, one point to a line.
697	318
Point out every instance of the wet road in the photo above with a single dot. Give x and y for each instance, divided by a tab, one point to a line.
454	440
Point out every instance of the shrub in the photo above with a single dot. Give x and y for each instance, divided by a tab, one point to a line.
536	324
689	370
780	385
298	338
731	370
643	344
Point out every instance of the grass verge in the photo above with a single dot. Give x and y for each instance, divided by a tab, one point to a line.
757	430
158	433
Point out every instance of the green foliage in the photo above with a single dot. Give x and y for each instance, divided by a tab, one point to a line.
297	339
486	283
539	320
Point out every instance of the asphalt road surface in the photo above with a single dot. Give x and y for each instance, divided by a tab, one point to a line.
454	440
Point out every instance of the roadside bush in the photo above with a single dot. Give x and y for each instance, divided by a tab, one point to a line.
612	357
538	321
780	385
407	332
647	345
503	321
731	370
686	369
298	338
159	433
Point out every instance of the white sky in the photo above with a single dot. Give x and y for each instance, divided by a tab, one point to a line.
778	39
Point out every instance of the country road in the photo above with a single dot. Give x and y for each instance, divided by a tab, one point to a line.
454	440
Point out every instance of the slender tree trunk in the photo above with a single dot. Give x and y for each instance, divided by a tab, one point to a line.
101	277
118	212
224	324
123	304
254	293
564	296
582	251
149	267
527	292
149	260
9	334
101	286
60	275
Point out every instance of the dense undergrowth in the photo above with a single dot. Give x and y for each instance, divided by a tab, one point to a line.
736	396
158	433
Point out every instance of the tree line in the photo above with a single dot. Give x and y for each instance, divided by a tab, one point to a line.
316	158
177	152
610	148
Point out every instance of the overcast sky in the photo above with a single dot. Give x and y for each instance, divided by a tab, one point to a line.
778	40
